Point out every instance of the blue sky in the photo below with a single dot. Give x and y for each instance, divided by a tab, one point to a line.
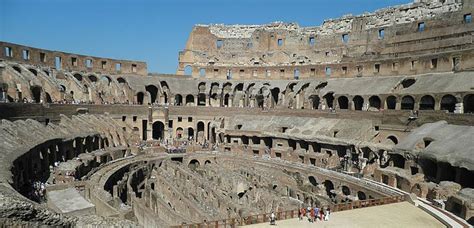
152	31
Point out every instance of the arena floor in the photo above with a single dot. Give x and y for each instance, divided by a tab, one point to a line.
401	214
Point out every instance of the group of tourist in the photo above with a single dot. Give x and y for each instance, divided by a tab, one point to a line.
314	213
38	192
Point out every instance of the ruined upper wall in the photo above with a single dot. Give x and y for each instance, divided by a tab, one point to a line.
69	61
422	37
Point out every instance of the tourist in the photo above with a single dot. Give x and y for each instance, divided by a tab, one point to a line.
308	213
328	212
302	212
272	219
312	215
316	213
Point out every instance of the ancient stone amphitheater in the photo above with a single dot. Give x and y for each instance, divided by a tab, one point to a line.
357	112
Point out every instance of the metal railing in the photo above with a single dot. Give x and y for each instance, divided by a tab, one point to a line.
282	215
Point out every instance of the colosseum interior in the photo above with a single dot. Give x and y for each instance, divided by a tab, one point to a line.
360	111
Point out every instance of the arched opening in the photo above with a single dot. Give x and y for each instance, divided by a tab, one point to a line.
213	135
374	102
200	131
178	100
153	90
33	71
275	94
314	99
17	69
358	102
393	139
346	190
391	102
194	164
92	78
226	100
106	79
313	181
121	80
427	103
343	102
361	195
36	94
158	130
408	103
448	102
189	99
78	77
329	188
48	98
201	99
188	70
179	133
329	100
398	160
140	97
190	133
468	103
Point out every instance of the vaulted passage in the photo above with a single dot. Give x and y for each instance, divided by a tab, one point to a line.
408	103
448	103
343	102
427	103
158	130
358	102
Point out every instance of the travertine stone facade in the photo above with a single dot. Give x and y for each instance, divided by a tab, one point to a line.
273	117
422	37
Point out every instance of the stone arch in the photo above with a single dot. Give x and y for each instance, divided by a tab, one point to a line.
375	102
329	97
140	97
343	102
346	190
314	100
92	78
106	78
121	80
427	102
179	132
33	71
391	102
358	102
48	98
189	99
468	103
193	164
36	94
275	95
201	99
78	76
313	180
153	90
200	131
393	139
448	103
17	69
226	100
178	100
408	103
361	195
190	133
158	130
329	188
